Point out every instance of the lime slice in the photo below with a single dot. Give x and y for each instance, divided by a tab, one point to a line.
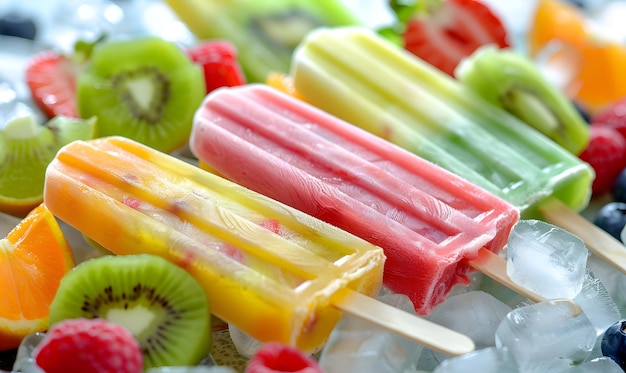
26	149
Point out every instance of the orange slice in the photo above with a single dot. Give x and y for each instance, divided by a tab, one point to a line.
601	77
34	257
555	20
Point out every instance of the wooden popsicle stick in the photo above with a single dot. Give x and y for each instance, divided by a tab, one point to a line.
599	242
415	328
422	331
494	266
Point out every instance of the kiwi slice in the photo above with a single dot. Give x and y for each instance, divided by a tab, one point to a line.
164	307
510	80
146	89
26	149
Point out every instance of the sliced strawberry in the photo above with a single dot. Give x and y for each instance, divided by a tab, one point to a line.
51	78
449	30
218	59
272	225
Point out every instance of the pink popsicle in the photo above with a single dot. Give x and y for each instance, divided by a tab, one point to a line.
429	222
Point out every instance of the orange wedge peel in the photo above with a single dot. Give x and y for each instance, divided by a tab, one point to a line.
34	256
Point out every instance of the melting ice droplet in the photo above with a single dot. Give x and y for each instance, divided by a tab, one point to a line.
546	259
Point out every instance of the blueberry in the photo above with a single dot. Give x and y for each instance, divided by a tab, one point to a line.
612	218
19	25
614	343
579	3
619	189
586	5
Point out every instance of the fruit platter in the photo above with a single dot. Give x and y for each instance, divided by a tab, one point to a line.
312	186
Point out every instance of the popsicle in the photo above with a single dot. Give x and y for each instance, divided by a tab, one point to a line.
358	76
430	222
271	270
264	32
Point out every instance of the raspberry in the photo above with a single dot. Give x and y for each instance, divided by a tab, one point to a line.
218	59
614	116
89	345
277	357
606	153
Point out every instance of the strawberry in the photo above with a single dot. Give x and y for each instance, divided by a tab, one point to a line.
89	345
218	59
606	153
443	32
277	357
272	225
51	78
613	115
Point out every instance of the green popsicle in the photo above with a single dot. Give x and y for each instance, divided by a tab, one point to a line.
264	32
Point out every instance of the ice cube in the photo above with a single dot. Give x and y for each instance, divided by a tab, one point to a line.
358	346
596	352
540	333
486	360
613	280
475	314
24	361
546	259
502	292
603	364
428	359
597	304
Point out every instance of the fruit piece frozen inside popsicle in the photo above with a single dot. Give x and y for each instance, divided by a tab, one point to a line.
267	268
264	32
429	221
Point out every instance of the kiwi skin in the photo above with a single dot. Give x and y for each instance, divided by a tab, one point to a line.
164	307
144	88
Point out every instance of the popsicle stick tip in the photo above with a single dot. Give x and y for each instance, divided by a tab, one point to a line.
599	242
